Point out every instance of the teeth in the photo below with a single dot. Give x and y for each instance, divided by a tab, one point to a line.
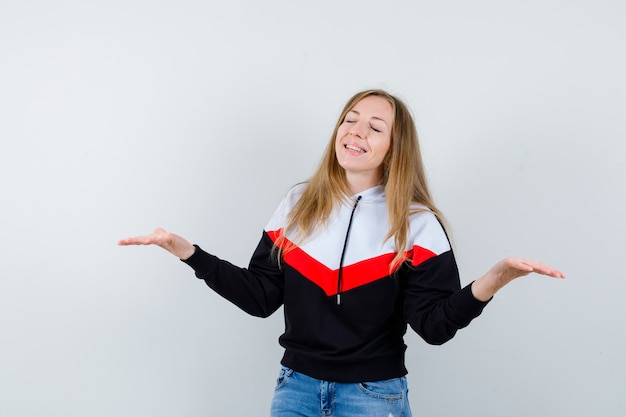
354	148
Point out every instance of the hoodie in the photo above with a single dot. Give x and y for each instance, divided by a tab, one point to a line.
346	311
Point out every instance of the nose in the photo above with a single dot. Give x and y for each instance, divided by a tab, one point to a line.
358	130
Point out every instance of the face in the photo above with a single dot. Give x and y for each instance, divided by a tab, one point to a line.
363	140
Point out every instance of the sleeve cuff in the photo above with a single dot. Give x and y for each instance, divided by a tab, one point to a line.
466	305
201	262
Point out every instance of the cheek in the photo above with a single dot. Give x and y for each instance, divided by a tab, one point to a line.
338	148
384	147
340	134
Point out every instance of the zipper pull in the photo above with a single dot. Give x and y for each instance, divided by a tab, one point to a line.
338	299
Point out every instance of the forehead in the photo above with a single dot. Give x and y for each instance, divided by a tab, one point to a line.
374	106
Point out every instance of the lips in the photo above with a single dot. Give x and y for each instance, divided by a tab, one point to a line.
354	148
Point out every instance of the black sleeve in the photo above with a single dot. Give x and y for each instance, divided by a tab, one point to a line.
257	290
435	305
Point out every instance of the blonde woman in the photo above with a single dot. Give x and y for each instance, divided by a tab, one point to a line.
354	255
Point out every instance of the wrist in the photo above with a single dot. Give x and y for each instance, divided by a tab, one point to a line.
187	252
482	289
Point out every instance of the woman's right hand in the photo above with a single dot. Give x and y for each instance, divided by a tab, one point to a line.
172	243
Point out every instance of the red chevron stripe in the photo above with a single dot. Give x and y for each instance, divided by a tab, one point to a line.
355	275
420	254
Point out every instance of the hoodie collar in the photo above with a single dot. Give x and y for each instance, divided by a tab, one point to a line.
371	195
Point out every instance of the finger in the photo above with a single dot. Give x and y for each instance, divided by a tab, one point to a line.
128	241
152	239
137	240
543	269
519	265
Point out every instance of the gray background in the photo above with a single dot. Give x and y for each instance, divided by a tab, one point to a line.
197	116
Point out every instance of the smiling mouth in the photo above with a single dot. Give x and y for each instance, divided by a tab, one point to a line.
354	148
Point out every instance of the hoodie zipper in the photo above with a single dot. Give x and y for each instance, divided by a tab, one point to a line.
343	252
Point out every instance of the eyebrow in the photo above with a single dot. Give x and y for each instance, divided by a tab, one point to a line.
373	117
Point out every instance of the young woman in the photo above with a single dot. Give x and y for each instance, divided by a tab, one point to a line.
354	255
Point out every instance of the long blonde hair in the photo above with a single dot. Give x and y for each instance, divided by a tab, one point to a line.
403	179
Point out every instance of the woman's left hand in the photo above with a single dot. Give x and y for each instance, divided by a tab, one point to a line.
506	271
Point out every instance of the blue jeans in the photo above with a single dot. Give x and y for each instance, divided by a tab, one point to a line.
298	395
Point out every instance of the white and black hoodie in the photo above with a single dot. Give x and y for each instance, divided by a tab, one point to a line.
345	312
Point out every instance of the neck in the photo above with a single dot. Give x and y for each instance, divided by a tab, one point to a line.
359	183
